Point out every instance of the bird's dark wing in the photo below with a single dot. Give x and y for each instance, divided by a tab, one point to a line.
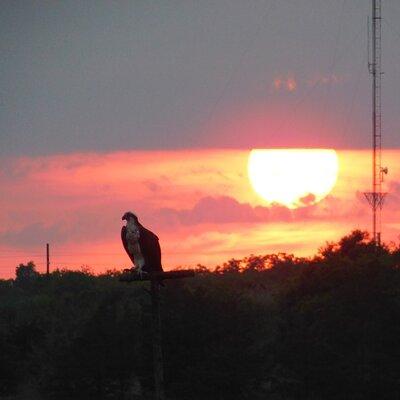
125	243
151	250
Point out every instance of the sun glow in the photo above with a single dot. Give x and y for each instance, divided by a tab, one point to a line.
293	177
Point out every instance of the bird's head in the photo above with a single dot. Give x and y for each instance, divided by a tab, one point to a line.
128	216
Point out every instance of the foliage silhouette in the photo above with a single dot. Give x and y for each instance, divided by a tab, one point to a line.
269	326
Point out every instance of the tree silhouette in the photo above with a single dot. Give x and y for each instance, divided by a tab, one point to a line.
268	326
26	273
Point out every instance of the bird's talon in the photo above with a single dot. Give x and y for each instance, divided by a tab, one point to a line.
141	273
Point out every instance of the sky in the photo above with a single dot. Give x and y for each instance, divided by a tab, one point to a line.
200	203
121	75
153	106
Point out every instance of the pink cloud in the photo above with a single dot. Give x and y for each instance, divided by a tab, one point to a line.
325	79
290	82
224	210
286	83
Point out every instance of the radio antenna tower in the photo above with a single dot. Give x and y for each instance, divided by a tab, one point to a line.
376	197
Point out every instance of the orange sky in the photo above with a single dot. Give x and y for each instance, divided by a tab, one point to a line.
199	202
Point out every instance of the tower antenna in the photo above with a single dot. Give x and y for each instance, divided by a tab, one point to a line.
376	197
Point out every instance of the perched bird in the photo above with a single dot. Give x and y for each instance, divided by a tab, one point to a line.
142	245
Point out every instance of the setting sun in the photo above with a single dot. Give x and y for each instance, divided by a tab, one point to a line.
293	177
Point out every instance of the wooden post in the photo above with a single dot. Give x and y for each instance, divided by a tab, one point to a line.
157	341
155	278
129	276
47	259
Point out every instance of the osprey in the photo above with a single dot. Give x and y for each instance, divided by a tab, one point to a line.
141	245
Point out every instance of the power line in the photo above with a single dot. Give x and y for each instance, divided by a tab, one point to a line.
333	62
395	31
293	112
355	93
237	67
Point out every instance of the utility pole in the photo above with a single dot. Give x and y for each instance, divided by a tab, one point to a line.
155	278
157	341
376	197
47	259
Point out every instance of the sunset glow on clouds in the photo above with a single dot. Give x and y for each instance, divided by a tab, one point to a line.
290	83
287	83
200	203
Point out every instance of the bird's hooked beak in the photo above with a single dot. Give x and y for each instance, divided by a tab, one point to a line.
125	217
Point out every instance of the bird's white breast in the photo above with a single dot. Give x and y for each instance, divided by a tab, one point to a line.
132	237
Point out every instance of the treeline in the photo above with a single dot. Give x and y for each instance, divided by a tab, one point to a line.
265	327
